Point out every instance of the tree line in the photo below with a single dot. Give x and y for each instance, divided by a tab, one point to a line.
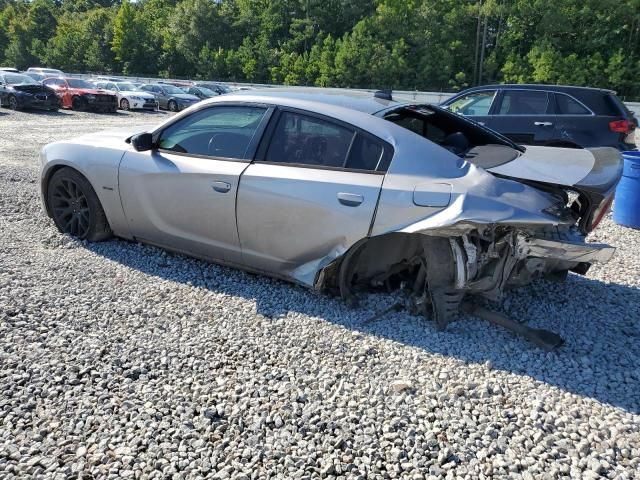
400	44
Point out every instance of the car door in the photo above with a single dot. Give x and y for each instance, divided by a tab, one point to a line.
525	116
3	90
182	193
163	96
475	105
311	193
157	93
576	124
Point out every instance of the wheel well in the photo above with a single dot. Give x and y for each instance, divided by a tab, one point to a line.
47	179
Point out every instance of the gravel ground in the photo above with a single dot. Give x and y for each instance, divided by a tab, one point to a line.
120	361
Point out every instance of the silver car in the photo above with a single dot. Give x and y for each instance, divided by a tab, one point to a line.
339	192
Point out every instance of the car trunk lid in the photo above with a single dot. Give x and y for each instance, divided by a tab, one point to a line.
591	173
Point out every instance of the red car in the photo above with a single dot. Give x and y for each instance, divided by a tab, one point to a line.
81	95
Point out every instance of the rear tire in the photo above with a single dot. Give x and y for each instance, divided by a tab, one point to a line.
75	207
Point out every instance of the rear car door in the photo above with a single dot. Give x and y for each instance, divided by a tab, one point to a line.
576	124
311	192
476	105
182	194
525	116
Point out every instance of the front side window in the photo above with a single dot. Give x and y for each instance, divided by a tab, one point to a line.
171	90
524	102
473	104
215	132
569	106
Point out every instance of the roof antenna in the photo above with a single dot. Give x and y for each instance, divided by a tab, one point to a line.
383	94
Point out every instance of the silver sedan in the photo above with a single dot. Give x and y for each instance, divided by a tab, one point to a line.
340	192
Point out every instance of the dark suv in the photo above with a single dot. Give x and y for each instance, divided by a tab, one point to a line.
553	115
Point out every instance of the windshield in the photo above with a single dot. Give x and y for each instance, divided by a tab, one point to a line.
77	83
171	89
207	92
17	79
126	86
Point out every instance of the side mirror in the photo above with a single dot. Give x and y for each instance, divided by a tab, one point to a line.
142	142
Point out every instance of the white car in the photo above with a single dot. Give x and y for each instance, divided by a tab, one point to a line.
130	97
46	72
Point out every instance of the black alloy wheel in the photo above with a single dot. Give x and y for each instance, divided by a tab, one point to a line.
75	207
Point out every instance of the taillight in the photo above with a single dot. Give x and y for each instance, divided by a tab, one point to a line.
600	212
621	126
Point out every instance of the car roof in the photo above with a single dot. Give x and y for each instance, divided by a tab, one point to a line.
539	86
355	100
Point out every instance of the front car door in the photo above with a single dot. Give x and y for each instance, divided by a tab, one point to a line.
525	116
310	194
182	194
475	105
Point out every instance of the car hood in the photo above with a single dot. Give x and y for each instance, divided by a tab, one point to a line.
596	169
113	138
185	96
93	91
32	88
133	93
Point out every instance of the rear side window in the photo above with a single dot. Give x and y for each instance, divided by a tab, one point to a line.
569	106
524	102
615	105
306	140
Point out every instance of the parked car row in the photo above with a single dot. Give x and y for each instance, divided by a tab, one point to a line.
548	115
50	89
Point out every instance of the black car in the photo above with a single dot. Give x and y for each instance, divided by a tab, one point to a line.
219	88
201	92
552	115
20	91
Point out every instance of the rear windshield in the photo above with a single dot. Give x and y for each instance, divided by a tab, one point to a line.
467	139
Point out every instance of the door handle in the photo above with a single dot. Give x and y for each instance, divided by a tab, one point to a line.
543	124
481	123
350	199
222	187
